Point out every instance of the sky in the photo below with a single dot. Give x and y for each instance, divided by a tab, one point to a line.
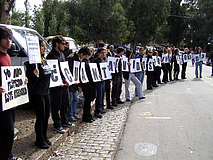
20	4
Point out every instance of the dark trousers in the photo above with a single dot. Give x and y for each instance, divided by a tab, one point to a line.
158	75
183	72
99	102
169	69
59	102
176	71
149	79
7	120
107	90
116	87
165	73
42	111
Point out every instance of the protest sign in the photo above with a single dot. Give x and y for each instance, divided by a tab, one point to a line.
111	63
76	71
185	58
16	93
124	63
151	65
105	74
178	59
202	56
55	78
83	74
66	72
190	57
155	60
158	62
94	72
138	65
144	61
33	49
165	58
197	58
132	65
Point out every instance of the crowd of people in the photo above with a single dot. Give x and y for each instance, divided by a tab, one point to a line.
62	100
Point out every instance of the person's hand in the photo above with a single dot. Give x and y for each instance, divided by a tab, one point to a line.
26	80
141	63
36	72
115	64
1	90
129	64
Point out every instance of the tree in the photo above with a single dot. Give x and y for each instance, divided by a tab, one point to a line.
17	18
38	20
27	17
5	7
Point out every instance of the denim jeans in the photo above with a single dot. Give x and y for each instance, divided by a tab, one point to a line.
140	76
73	103
198	64
99	102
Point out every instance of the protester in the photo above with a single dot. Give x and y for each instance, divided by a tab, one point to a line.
198	64
7	117
169	65
117	79
140	75
38	87
128	76
73	89
89	89
176	64
157	70
164	67
67	50
59	95
184	65
99	103
211	58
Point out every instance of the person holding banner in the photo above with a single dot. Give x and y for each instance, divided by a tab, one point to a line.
198	63
7	117
89	89
117	79
157	68
59	95
176	64
38	86
184	65
169	65
211	58
128	76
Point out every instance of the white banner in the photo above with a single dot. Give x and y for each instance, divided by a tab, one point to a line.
105	74
83	74
165	58
138	65
202	56
111	63
155	60
190	57
94	72
124	63
16	92
151	65
132	66
144	61
178	59
76	71
66	72
185	58
197	58
55	78
158	62
33	49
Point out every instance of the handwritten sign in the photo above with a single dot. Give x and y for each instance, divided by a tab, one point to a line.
16	92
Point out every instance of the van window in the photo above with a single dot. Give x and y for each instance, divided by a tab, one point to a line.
72	45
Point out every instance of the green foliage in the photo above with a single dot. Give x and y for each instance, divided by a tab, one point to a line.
17	18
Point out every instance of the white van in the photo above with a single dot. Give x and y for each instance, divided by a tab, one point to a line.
72	44
18	51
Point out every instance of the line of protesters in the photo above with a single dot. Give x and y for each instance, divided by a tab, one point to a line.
62	100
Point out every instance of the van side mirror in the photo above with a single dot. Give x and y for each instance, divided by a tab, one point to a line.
12	50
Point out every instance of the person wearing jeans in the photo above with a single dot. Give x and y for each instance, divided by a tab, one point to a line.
198	64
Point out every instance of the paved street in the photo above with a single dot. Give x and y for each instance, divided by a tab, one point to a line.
174	123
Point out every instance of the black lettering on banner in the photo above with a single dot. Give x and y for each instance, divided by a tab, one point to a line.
17	72
104	70
158	60
124	65
144	64
166	59
54	79
163	59
110	66
67	74
185	57
133	64
150	65
189	56
94	71
138	66
20	92
197	58
8	96
14	83
7	73
76	73
202	56
83	75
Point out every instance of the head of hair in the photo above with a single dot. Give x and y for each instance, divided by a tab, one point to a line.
120	49
100	49
176	51
5	33
128	53
101	44
57	39
199	48
85	51
155	53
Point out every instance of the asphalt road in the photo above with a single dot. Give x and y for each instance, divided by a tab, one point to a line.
174	122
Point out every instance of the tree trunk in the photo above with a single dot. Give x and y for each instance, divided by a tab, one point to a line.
5	7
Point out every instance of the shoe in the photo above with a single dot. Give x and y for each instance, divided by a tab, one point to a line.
120	102
211	74
141	97
128	100
149	88
155	86
15	158
47	141
76	117
72	119
59	130
103	111
110	107
160	83
68	124
42	145
114	103
196	76
201	77
87	120
98	115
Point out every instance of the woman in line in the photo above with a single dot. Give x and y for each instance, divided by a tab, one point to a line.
198	64
38	86
176	64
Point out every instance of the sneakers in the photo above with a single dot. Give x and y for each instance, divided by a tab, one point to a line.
42	145
72	119
127	100
110	107
68	124
76	117
47	141
59	130
15	158
120	102
141	97
98	115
